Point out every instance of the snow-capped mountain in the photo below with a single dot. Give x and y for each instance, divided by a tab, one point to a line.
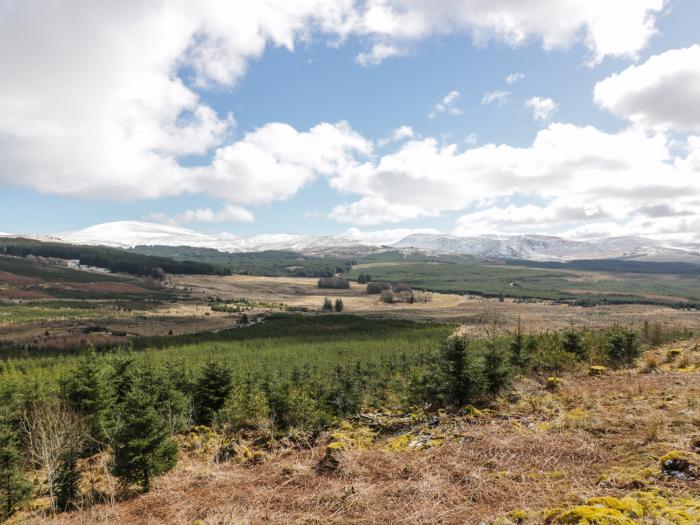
546	247
127	234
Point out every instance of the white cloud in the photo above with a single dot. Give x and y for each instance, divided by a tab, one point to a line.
399	134
620	28
514	77
385	237
275	161
542	108
663	92
378	54
230	213
447	105
499	97
377	210
92	104
584	175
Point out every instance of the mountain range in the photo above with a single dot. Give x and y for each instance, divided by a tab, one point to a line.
128	234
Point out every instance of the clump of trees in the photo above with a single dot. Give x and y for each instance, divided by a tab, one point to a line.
333	283
377	287
364	278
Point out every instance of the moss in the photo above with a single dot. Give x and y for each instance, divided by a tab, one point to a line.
643	507
399	443
597	370
354	436
554	383
628	477
672	354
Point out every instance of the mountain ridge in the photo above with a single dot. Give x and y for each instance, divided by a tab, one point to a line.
129	234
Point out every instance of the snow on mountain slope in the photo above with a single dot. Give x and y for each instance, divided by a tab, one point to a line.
126	234
544	247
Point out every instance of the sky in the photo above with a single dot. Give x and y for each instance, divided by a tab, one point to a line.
578	118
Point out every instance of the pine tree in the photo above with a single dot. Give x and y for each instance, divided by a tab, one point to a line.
339	305
362	279
210	391
456	375
14	487
87	394
142	444
519	356
327	305
496	369
573	343
67	481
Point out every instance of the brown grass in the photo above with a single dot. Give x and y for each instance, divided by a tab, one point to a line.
584	440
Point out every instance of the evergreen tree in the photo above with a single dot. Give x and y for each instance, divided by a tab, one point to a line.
121	376
14	487
339	305
67	481
210	391
622	347
519	356
573	343
456	374
142	444
496	370
87	394
327	305
362	279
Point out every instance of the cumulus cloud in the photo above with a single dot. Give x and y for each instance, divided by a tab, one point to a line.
275	161
583	174
663	92
498	97
606	28
542	108
447	105
514	77
143	65
230	213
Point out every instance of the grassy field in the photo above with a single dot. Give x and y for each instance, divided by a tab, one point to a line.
276	347
463	277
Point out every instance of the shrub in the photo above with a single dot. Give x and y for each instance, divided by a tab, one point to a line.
376	288
572	343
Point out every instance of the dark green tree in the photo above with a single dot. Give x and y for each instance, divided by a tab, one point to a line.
142	444
67	481
456	374
519	355
572	342
14	487
86	392
210	391
622	347
339	305
497	372
327	305
362	279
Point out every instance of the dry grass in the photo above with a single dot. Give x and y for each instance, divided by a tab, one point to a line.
595	436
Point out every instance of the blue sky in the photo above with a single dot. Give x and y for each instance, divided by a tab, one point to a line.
59	172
